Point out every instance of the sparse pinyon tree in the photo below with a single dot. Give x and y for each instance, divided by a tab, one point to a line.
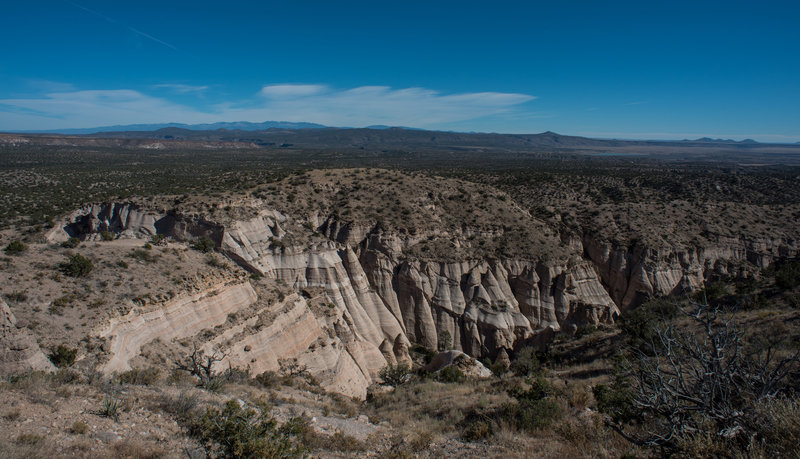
15	248
76	266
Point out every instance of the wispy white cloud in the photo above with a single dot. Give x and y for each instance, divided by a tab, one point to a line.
181	88
49	86
367	105
360	106
291	90
92	108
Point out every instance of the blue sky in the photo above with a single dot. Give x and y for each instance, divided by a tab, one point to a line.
666	70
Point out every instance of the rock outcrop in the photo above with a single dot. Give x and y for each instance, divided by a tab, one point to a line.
179	318
327	345
633	274
19	352
131	220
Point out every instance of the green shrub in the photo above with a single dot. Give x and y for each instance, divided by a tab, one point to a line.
445	340
615	400
107	235
28	439
498	369
214	384
63	356
268	379
585	330
477	431
204	244
532	415
534	408
182	407
71	243
79	428
451	374
236	431
712	291
746	285
15	248
394	375
538	390
139	376
641	324
76	266
143	255
526	362
787	276
16	297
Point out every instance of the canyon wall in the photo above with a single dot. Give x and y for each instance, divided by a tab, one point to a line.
633	274
369	301
481	305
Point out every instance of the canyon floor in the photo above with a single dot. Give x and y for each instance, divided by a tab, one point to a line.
154	301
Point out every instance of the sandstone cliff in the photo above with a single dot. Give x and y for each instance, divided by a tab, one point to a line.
634	273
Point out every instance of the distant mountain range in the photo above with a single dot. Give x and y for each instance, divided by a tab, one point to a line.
235	125
227	129
710	140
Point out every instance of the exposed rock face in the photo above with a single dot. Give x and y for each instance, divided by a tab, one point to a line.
179	318
633	274
19	352
328	347
483	305
130	220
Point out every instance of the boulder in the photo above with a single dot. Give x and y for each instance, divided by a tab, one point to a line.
468	365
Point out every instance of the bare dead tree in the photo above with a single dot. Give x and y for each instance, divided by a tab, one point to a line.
702	379
200	364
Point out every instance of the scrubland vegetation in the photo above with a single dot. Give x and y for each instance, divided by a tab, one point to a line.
709	375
